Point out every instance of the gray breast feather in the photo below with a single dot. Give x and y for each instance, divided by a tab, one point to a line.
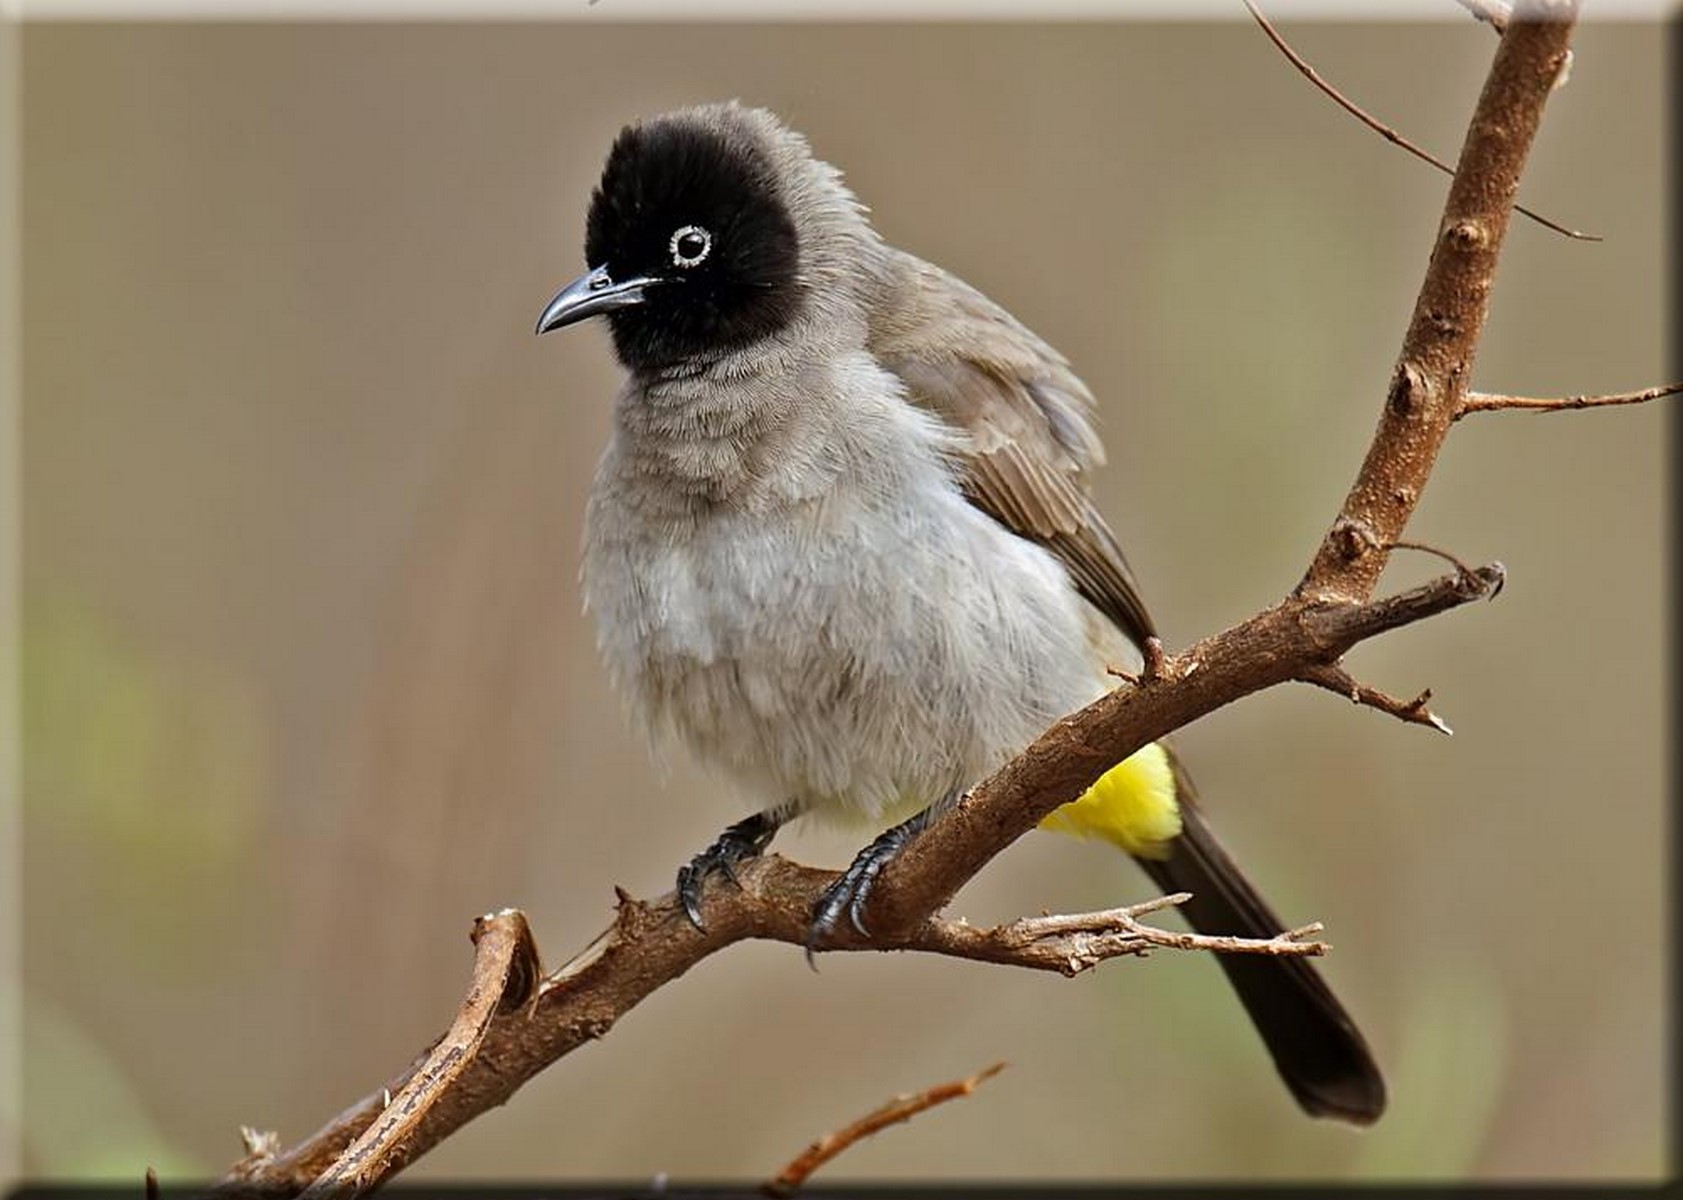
864	650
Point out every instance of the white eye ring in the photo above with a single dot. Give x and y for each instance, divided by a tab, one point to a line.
681	259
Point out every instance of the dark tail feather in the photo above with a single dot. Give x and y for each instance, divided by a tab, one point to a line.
1315	1045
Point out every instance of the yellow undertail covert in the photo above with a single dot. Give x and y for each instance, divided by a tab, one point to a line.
1132	805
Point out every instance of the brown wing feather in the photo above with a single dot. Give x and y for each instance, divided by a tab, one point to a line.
1027	420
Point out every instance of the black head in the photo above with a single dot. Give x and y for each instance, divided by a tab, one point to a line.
691	247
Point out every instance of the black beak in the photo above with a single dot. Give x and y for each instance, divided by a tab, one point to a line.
591	294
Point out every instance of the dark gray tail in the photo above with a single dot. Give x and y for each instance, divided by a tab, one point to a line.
1315	1045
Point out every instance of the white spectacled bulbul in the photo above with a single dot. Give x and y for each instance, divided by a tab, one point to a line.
841	543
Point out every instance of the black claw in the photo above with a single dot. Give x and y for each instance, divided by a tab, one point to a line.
690	877
851	891
824	915
744	840
862	890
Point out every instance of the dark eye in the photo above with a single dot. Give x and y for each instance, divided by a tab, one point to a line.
690	245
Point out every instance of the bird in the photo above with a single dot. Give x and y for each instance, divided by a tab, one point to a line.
842	546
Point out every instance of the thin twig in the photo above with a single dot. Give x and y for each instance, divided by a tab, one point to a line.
1383	130
1452	560
1359	538
901	1108
1488	402
1072	943
1056	923
1336	679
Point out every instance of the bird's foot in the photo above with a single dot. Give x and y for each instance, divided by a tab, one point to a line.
852	889
746	839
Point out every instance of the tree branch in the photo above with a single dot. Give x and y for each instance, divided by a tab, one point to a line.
652	943
1415	712
1302	637
1429	382
507	1031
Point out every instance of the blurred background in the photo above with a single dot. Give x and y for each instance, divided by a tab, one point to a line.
307	685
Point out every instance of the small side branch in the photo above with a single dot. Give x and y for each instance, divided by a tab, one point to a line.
793	1177
1337	679
1075	943
1343	625
1152	657
1487	402
1384	130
